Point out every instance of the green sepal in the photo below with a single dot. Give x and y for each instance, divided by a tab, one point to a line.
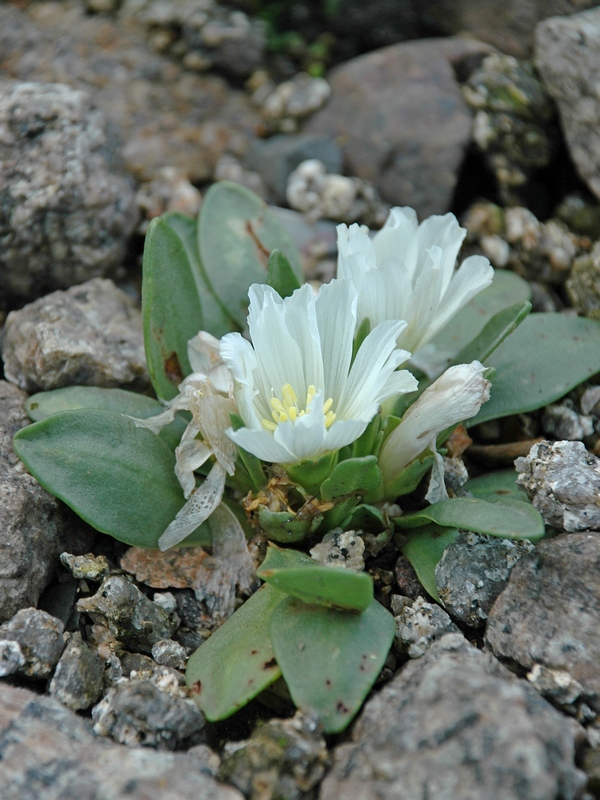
280	274
410	477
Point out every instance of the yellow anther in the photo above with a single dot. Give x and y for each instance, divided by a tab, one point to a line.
302	413
289	409
277	405
275	415
270	426
329	418
293	413
327	405
310	394
283	417
290	398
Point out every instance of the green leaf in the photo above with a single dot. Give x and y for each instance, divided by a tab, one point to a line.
118	478
494	333
509	519
506	290
333	587
424	548
236	234
280	558
330	659
280	274
287	527
44	404
249	460
546	357
410	477
354	476
216	320
238	661
170	308
496	486
311	474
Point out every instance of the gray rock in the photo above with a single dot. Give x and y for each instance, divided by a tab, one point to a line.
31	520
567	53
48	752
562	480
89	335
285	758
12	657
284	106
276	158
78	679
169	653
40	638
562	422
85	567
472	572
556	684
456	724
418	625
65	216
402	119
507	24
548	613
130	616
340	548
138	713
583	285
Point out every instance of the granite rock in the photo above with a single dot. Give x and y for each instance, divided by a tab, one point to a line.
65	213
78	679
401	120
418	625
456	724
88	335
548	613
40	638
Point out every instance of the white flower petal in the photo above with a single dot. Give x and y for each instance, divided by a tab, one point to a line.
261	444
190	454
306	437
336	319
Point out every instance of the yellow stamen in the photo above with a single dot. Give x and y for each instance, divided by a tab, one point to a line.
288	408
283	417
290	397
329	418
277	405
270	426
275	415
327	405
293	413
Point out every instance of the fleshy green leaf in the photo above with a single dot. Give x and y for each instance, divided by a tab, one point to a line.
236	234
44	404
330	659
280	274
410	477
286	527
333	587
354	476
496	486
283	558
311	474
546	357
118	478
509	519
238	661
171	309
249	460
216	320
424	548
494	333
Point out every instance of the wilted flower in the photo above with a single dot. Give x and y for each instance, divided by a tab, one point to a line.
455	396
407	272
297	389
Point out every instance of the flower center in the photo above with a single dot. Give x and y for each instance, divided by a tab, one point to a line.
289	407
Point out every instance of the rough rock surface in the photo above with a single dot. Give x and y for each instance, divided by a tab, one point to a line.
89	335
402	121
173	569
472	572
40	638
548	613
456	724
567	55
78	679
166	115
31	521
139	713
130	616
48	752
508	24
65	213
562	480
418	625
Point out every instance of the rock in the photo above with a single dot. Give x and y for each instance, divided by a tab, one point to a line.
360	28
31	520
78	679
513	121
284	106
12	657
169	653
138	713
166	601
65	214
137	667
583	284
562	422
284	758
131	617
89	335
509	25
456	724
548	613
316	242
418	625
455	473
562	480
401	120
567	50
555	684
173	569
87	567
166	115
590	401
276	158
230	168
321	196
40	638
472	572
169	190
49	752
340	548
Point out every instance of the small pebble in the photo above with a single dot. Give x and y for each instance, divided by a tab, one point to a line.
169	654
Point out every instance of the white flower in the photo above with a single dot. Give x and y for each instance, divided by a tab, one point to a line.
407	272
297	389
457	395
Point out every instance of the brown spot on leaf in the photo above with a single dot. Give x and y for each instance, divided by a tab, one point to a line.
173	369
269	664
263	253
196	688
341	708
328	683
253	652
